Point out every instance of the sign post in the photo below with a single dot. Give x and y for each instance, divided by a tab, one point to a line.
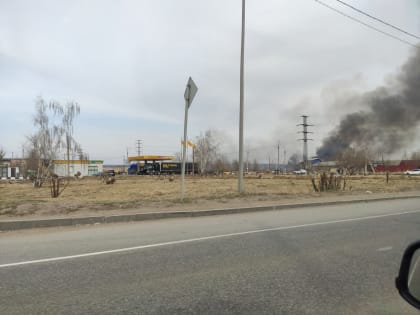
189	94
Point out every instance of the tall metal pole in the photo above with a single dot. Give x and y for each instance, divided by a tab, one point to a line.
305	140
193	162
278	159
184	151
180	152
241	106
138	147
284	159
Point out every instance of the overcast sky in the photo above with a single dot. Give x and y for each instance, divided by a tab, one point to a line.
127	63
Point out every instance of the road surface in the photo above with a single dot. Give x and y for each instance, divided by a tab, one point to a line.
321	260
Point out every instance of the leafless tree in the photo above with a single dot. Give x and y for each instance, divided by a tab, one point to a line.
32	160
82	155
67	113
2	153
415	155
206	150
221	164
255	166
235	165
54	130
46	141
355	160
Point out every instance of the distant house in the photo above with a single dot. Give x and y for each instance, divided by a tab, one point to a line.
7	172
396	166
9	169
85	167
326	166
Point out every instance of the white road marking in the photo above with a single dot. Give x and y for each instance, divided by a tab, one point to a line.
126	249
384	249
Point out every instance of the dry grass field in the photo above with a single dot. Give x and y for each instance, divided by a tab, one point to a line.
153	193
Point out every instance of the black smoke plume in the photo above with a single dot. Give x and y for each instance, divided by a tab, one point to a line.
390	118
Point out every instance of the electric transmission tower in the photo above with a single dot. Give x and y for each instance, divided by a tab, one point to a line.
138	146
305	139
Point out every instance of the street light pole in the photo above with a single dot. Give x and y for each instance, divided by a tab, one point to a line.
241	106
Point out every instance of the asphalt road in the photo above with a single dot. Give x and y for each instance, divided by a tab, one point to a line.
321	260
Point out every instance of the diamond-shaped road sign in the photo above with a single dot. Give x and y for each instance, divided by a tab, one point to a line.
190	91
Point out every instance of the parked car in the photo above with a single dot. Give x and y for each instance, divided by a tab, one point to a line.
413	172
300	172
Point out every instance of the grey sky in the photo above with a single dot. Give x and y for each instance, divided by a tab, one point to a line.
127	62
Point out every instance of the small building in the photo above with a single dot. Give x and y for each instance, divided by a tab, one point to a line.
326	166
396	166
85	167
7	172
9	169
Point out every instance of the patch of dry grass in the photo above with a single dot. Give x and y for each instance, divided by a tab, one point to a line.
140	191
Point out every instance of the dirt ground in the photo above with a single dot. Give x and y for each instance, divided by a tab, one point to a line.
90	196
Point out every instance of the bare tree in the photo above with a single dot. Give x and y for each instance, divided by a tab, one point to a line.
68	114
51	135
415	155
206	150
82	155
2	153
221	164
46	141
255	166
32	161
355	160
235	165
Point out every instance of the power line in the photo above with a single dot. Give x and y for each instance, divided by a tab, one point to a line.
378	19
366	24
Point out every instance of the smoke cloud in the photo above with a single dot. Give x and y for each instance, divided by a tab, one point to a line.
390	118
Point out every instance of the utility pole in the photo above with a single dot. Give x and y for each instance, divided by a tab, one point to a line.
284	159
247	156
193	162
305	139
278	158
241	106
138	145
